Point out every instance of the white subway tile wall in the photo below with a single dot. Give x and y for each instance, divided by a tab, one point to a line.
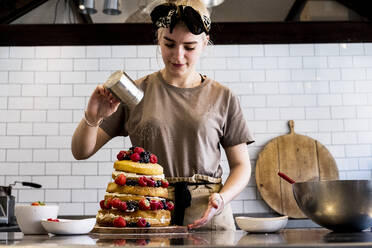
325	88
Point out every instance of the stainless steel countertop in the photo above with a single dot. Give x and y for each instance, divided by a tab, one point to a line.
307	237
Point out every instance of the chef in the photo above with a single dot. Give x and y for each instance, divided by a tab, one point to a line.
184	118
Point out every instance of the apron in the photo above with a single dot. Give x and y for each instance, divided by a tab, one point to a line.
191	196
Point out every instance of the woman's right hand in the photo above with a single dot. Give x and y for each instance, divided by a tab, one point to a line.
101	105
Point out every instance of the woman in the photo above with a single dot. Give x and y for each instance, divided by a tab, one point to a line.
183	118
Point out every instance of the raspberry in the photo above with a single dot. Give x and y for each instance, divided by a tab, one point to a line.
119	222
154	205
141	222
138	150
121	155
164	183
153	159
135	157
144	204
120	242
170	206
116	203
123	206
142	181
53	220
120	180
160	205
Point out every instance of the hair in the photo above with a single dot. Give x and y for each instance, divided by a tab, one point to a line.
198	5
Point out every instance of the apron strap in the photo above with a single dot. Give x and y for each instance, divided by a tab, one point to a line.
182	201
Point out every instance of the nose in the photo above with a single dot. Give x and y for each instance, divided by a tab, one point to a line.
179	53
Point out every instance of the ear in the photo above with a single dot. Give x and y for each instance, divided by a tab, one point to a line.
205	41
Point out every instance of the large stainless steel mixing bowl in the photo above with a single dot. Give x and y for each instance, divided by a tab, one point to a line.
341	205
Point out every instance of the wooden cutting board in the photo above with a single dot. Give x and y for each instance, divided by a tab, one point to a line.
301	158
138	230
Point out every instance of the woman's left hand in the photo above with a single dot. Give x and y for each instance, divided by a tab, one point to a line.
215	205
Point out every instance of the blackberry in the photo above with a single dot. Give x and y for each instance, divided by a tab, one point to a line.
164	204
158	183
148	224
131	182
132	205
131	224
126	157
145	157
132	148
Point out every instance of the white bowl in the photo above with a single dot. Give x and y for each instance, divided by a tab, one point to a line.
261	225
65	226
29	217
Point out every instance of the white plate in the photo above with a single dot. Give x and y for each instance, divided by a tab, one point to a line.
261	225
66	227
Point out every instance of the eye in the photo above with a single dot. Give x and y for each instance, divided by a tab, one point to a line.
190	48
169	45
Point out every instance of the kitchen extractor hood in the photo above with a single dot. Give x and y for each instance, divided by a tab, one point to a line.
66	11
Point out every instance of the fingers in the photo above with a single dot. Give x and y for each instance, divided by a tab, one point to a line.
208	215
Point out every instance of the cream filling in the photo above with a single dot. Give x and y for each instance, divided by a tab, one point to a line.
135	175
102	216
112	195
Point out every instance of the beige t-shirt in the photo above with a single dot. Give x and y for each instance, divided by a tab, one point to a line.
184	127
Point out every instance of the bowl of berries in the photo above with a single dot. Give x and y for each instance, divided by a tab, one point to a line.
68	226
29	216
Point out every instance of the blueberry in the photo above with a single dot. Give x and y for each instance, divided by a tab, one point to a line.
164	204
148	224
158	183
132	224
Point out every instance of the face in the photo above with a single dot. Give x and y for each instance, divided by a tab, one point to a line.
181	49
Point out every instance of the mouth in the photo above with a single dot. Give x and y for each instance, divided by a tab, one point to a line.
177	65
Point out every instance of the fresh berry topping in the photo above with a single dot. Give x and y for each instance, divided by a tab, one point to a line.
164	202
120	179
116	203
141	222
108	203
138	150
142	181
148	224
164	183
132	148
38	203
135	157
170	206
144	204
121	155
120	222
150	181
160	205
123	206
132	182
120	242
153	159
131	224
102	204
53	220
154	205
142	242
132	205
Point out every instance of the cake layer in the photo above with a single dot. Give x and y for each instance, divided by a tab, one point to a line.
154	217
137	190
128	175
130	197
140	168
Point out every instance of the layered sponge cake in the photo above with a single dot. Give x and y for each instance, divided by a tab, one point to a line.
138	195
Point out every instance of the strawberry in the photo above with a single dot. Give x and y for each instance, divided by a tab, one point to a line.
170	206
144	204
108	203
53	220
123	206
142	181
138	150
121	155
120	222
141	222
116	203
120	180
153	159
164	183
154	205
135	157
102	204
150	181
